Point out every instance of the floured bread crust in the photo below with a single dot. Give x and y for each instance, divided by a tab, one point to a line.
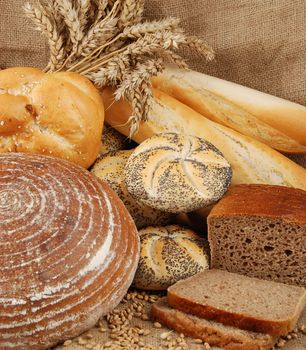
69	251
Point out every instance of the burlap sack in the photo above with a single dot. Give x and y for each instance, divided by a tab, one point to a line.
259	43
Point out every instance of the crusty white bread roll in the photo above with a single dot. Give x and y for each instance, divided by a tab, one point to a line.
251	160
177	173
58	114
279	123
110	168
69	250
169	254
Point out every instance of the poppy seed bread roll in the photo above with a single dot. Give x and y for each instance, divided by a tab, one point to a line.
69	251
177	173
112	140
169	254
110	168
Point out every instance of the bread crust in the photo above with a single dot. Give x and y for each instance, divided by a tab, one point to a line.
278	202
277	122
230	319
110	168
177	173
247	321
56	114
169	254
184	323
71	250
251	161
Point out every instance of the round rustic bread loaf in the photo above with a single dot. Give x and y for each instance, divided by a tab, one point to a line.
58	114
169	254
110	168
69	250
177	173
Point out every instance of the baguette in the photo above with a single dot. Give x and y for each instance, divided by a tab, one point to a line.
274	121
251	160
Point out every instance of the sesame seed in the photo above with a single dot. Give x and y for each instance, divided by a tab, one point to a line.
198	341
157	325
67	342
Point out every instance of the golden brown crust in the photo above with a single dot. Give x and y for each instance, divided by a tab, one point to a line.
251	161
229	318
284	203
70	255
272	120
208	332
59	114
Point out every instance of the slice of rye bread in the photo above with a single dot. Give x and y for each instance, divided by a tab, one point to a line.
213	333
240	301
260	231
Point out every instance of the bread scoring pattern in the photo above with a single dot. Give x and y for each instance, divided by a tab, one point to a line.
58	114
110	168
177	173
68	250
169	254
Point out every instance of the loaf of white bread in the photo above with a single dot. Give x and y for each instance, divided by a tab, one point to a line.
251	160
55	114
69	251
279	123
260	231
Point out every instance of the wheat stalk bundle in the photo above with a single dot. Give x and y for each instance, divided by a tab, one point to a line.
108	42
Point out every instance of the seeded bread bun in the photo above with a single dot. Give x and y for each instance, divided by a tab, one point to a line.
69	251
169	254
177	173
110	168
56	114
112	140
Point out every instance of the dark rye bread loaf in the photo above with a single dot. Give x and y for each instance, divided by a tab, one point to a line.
260	231
213	333
240	301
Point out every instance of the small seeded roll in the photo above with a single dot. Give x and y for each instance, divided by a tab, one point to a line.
110	168
112	140
177	173
169	254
